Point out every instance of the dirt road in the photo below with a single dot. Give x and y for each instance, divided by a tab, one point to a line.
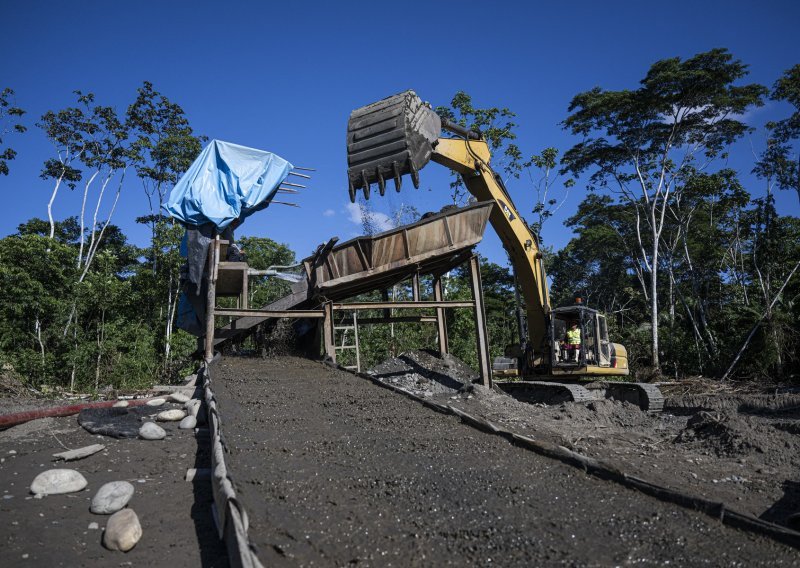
334	470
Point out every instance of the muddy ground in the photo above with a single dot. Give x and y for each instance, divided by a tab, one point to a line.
335	470
53	531
743	450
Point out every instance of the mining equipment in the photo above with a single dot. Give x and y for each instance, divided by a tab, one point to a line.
400	135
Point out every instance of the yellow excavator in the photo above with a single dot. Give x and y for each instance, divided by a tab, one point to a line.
400	135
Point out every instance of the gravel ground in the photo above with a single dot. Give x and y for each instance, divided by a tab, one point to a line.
334	470
53	531
743	450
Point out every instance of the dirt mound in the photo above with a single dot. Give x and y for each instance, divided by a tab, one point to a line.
728	434
783	404
425	373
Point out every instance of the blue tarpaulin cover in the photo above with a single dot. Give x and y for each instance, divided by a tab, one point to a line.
225	182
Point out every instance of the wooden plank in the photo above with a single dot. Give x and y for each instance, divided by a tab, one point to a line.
234	312
402	304
398	319
441	322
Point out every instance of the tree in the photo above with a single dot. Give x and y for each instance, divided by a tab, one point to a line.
164	146
10	115
70	132
541	171
638	144
781	160
497	128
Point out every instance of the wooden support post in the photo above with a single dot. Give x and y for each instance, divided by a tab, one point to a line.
211	297
415	287
245	289
387	313
480	322
328	340
441	322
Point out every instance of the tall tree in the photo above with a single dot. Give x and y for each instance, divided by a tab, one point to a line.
780	162
638	143
10	115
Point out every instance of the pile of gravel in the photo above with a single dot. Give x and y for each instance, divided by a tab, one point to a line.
424	373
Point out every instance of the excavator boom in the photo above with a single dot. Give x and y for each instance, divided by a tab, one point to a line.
399	135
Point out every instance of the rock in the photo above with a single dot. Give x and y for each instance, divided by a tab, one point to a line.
111	497
123	531
188	423
190	381
178	397
57	481
121	404
193	406
93	526
80	453
156	402
152	431
171	415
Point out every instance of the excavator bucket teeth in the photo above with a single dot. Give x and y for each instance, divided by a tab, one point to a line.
388	139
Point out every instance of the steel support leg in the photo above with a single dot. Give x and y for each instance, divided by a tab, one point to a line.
441	321
328	332
211	298
480	322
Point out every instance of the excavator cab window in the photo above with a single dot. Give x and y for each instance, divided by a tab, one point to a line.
605	344
589	333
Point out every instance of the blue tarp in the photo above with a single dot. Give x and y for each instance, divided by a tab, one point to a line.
225	182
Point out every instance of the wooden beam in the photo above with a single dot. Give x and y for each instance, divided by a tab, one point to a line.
402	304
398	319
481	335
236	312
441	322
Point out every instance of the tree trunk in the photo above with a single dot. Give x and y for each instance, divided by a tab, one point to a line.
654	361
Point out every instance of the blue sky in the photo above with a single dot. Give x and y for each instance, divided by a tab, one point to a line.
284	78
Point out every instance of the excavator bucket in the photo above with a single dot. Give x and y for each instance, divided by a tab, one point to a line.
388	139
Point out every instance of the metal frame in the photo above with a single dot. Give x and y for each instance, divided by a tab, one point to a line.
439	305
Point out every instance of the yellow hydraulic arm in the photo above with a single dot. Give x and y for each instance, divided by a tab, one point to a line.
470	158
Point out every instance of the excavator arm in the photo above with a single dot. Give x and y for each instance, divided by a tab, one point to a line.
470	158
399	135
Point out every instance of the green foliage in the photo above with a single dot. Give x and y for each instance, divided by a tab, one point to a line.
10	115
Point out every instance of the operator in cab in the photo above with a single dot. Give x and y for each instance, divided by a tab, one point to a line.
572	342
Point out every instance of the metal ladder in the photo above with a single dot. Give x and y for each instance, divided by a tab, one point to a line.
345	346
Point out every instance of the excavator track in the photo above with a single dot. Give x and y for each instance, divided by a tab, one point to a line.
645	396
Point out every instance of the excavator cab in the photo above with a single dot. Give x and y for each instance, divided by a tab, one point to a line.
592	349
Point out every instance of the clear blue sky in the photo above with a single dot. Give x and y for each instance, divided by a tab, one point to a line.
284	77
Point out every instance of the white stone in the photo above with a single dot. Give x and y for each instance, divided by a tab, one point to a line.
123	531
111	497
152	431
93	526
188	423
121	404
178	397
171	415
156	402
56	481
193	406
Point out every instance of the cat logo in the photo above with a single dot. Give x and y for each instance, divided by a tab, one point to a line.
506	210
